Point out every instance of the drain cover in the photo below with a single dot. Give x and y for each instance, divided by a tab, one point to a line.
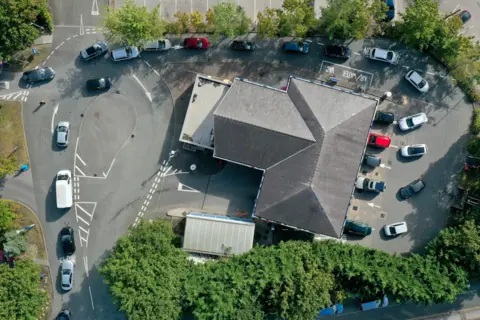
355	208
389	162
383	215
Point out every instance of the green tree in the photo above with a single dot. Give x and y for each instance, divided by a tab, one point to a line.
351	18
21	296
230	19
15	244
268	23
296	18
131	23
146	271
459	246
196	21
7	214
7	166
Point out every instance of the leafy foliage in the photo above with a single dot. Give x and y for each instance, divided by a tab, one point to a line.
351	18
7	214
131	23
24	299
268	23
296	18
230	19
15	244
7	166
475	130
146	271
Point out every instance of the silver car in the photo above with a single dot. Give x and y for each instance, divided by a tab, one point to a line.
63	133
95	50
417	81
383	55
414	150
126	53
67	274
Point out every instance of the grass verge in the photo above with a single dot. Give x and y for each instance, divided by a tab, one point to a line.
12	138
25	60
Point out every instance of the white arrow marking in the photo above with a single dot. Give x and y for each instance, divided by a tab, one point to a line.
149	96
371	204
95	8
384	166
53	118
182	187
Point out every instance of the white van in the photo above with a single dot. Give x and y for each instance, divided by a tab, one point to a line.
63	187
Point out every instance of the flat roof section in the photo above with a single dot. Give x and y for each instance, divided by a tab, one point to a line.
217	235
198	125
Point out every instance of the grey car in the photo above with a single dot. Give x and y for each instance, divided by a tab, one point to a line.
412	189
39	74
95	50
63	133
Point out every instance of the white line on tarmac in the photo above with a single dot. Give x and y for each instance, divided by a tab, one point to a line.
57	47
358	54
154	186
74	36
158	74
320	43
148	202
91	298
143	208
144	202
61	44
149	96
431	73
28	92
95	8
148	64
86	212
85	262
393	146
141	214
151	190
80	171
406	67
166	172
82	31
53	117
80	236
76	155
86	231
83	220
69	38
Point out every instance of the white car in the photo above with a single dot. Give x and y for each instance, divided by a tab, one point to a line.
125	53
413	121
63	133
417	81
414	150
67	274
383	55
395	229
157	45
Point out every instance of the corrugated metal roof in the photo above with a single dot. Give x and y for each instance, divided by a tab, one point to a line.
217	235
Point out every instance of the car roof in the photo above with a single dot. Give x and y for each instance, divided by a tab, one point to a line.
67	264
417	185
381	53
119	53
400	227
415	77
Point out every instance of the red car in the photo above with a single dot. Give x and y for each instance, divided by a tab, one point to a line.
196	43
378	140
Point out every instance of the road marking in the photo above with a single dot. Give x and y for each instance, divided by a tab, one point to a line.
95	8
393	146
141	214
69	38
151	190
320	43
148	64
149	96
83	220
77	205
86	231
371	204
61	44
154	186
254	11
74	36
82	31
28	92
91	298
148	202
406	67
358	54
166	172
182	187
384	166
80	171
143	208
144	202
57	47
78	157
85	262
53	117
176	173
80	236
19	94
158	74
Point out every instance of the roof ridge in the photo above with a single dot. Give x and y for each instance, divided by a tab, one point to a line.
292	155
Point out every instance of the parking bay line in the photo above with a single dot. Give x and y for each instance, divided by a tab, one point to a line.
396	147
76	155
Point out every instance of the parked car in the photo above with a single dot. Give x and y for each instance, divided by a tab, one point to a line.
413	121
384	117
64	315
414	150
357	227
383	55
157	45
378	140
125	53
330	311
369	305
417	81
67	274
366	184
67	239
63	133
95	50
196	43
391	10
296	46
395	229
99	84
412	189
372	160
243	45
338	51
465	16
39	74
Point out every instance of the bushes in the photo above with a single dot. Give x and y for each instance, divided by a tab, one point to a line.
44	17
475	130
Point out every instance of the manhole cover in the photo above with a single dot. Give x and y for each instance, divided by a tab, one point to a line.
389	162
376	173
355	208
383	215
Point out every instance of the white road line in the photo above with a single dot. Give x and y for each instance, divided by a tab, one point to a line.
83	220
143	208
75	190
431	73
69	38
80	236
154	186
86	231
144	202
74	36
87	29
164	162
85	262
320	43
94	32
86	212
148	202
141	214
25	99
91	298
87	32
82	31
57	47
406	67
53	117
158	74
358	54
80	171
61	44
95	8
8	96
151	190
18	95
149	96
149	197
393	146
27	93
176	173
78	157
148	64
166	172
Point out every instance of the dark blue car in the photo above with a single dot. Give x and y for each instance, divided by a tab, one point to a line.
296	46
391	9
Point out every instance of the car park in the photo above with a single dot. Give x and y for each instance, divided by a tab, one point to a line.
99	84
157	45
67	239
330	311
390	15
417	81
371	160
412	189
383	117
296	46
395	229
196	43
39	74
379	140
414	150
67	274
63	133
125	53
243	45
338	51
413	121
64	315
383	55
357	227
95	50
366	184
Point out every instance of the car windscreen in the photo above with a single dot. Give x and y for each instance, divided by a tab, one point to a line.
409	122
62	129
389	55
422	84
392	230
415	150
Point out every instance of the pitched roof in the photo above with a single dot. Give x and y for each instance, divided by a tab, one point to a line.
310	150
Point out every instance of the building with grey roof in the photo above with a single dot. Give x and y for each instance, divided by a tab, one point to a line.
309	141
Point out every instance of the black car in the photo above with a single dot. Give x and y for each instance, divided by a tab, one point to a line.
384	117
412	189
39	74
99	84
64	315
338	51
243	45
67	239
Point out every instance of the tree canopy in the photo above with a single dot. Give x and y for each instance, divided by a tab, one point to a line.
21	296
7	214
230	19
132	23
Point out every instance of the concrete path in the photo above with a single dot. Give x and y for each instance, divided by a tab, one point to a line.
19	188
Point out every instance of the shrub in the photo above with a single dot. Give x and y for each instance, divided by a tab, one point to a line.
476	122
